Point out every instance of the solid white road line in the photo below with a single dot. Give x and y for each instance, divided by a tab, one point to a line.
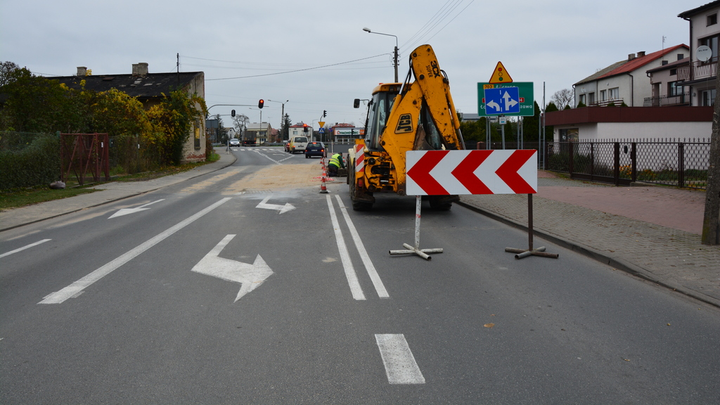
24	247
352	279
377	282
400	365
77	287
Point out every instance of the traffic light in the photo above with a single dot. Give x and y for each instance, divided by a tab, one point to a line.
232	113
324	113
261	103
305	128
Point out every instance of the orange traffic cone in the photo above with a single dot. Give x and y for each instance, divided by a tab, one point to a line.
323	189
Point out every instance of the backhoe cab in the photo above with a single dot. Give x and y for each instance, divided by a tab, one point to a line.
417	115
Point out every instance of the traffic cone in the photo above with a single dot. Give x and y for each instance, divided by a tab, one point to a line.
323	189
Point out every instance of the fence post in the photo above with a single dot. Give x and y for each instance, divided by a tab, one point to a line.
570	160
633	159
681	164
592	161
616	152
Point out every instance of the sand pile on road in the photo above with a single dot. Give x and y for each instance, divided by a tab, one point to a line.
283	176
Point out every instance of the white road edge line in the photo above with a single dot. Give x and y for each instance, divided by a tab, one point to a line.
24	247
400	364
352	279
77	287
372	272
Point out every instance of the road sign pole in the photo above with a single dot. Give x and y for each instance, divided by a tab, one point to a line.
416	249
521	253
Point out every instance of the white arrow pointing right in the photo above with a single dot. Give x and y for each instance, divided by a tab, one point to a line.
251	276
281	208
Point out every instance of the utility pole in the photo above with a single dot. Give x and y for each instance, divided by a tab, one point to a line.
711	220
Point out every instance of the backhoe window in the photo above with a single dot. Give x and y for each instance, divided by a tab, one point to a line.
378	112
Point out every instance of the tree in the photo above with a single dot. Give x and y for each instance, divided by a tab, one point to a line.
6	70
240	124
563	98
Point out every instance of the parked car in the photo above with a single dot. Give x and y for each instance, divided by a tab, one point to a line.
314	149
234	142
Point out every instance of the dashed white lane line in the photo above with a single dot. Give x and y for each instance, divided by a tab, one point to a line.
79	286
400	364
24	247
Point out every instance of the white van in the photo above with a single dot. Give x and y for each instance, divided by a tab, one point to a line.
297	144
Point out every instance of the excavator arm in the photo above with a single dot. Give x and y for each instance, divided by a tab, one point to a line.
423	115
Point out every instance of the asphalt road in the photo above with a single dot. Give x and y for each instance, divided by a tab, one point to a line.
146	306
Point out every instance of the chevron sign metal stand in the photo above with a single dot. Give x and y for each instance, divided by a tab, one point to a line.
462	172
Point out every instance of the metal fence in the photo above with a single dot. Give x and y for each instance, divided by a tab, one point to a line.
680	163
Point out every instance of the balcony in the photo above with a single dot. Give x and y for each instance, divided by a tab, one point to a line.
665	101
617	102
698	70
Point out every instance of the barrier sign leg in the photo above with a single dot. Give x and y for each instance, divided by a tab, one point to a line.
521	253
416	249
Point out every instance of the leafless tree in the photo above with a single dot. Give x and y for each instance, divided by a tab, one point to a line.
563	98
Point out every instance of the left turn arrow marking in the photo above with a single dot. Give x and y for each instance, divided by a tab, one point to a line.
128	211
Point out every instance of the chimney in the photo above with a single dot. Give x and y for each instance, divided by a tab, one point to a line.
641	54
631	56
81	71
140	69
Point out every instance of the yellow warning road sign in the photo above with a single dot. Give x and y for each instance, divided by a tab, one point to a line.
500	75
321	123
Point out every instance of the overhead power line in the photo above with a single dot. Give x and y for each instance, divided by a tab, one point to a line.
298	70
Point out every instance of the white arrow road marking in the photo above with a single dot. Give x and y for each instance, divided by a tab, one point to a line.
24	247
282	208
128	211
400	364
76	288
251	276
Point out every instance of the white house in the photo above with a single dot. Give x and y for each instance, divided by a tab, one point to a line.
700	73
625	81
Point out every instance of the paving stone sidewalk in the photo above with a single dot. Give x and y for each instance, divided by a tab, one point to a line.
650	231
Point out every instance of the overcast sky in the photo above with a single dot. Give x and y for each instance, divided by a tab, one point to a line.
316	55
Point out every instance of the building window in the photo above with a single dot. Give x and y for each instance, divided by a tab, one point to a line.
569	134
675	89
591	98
673	72
602	95
614	93
582	99
712	43
712	19
708	98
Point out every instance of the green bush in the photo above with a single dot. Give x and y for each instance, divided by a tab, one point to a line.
38	163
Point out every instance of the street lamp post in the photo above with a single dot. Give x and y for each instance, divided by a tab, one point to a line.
282	116
395	58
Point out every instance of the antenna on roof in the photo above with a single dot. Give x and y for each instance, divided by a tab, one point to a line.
178	67
663	41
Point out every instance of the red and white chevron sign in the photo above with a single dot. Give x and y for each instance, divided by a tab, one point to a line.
457	172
